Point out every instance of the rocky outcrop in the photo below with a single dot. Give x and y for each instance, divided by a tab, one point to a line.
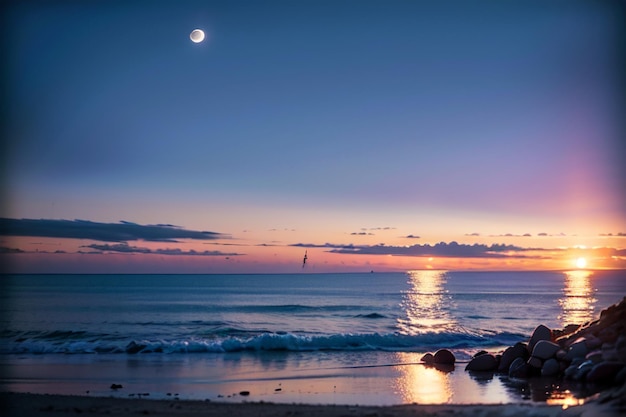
593	353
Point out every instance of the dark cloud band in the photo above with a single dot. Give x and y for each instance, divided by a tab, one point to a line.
443	249
124	248
105	232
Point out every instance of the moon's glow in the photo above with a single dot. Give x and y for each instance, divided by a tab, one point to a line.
196	35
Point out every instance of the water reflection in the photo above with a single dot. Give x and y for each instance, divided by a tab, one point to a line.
578	300
426	303
549	390
422	384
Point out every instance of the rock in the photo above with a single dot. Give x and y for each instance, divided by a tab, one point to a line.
582	370
577	350
550	367
567	330
609	334
560	355
428	358
444	356
604	372
485	362
596	356
510	354
535	362
519	369
540	333
244	393
593	343
570	371
116	386
620	348
545	349
480	352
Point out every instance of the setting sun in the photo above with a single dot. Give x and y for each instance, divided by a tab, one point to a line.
581	263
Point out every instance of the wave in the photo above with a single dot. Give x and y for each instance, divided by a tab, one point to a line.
69	342
371	316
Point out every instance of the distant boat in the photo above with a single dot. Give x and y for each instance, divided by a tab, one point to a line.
304	259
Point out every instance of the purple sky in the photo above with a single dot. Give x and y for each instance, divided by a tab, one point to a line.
316	122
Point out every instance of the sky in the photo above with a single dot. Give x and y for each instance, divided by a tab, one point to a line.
370	135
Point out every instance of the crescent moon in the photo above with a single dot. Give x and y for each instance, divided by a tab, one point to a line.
196	35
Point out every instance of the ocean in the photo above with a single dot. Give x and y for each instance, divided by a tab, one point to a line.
207	335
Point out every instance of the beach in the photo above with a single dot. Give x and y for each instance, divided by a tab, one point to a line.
60	406
277	345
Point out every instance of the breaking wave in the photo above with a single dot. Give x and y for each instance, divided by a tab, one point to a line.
71	342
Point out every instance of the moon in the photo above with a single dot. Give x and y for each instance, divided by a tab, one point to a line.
196	35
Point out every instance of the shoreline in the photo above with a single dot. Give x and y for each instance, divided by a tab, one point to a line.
215	378
25	404
537	377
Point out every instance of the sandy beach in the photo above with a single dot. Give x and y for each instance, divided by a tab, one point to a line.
57	405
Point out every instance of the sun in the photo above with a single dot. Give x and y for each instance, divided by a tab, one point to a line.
581	263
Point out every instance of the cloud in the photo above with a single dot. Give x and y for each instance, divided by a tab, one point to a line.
412	237
442	249
513	235
105	232
361	234
326	245
125	248
4	249
620	234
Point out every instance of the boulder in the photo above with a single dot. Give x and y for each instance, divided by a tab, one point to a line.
485	362
550	367
577	350
582	370
512	353
428	358
567	330
596	356
519	369
604	372
540	333
444	356
535	362
570	371
620	348
545	349
593	342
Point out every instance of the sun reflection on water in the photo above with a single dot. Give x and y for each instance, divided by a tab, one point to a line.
426	303
578	300
421	384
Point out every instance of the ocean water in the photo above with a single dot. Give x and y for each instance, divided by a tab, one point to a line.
260	327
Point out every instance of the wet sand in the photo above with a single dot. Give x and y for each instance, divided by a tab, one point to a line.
18	404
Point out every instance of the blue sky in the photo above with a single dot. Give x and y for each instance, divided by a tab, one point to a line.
320	119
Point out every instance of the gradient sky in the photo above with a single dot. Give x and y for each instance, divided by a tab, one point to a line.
364	132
